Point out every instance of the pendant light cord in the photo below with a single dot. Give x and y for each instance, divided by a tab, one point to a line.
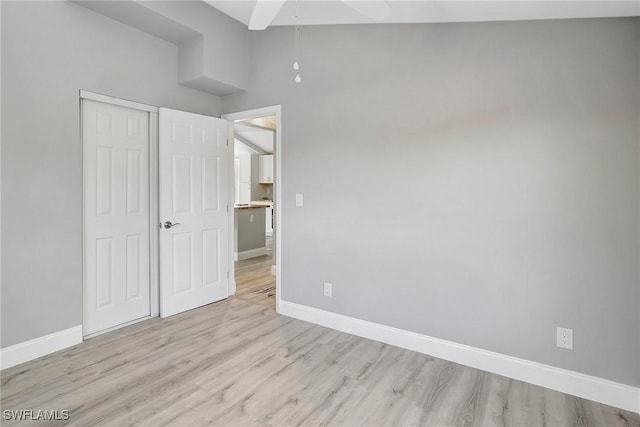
296	64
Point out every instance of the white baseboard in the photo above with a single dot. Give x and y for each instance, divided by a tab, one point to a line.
570	382
115	328
38	347
239	256
274	270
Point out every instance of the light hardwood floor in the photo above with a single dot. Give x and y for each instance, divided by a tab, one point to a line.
238	363
254	282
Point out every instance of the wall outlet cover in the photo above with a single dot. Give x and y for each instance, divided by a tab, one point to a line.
328	289
564	338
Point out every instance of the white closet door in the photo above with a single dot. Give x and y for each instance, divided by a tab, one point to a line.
193	195
116	215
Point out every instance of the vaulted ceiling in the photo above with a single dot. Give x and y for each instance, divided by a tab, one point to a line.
206	31
314	12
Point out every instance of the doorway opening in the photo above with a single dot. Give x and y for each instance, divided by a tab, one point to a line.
255	140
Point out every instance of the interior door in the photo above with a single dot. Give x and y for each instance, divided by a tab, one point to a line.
115	215
193	201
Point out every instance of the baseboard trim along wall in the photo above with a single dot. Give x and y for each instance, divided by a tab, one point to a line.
38	347
570	382
239	256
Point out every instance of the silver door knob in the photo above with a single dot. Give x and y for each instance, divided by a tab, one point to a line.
169	224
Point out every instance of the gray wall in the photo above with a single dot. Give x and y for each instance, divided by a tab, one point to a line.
477	183
204	36
250	234
223	66
50	51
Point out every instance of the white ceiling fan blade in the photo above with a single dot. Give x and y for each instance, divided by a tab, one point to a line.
377	10
264	13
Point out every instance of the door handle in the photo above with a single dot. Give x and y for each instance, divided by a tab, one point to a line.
169	224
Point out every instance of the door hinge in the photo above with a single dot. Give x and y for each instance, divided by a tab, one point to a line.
227	208
227	142
227	274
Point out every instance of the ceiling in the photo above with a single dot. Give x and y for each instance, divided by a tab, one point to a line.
314	12
258	140
268	122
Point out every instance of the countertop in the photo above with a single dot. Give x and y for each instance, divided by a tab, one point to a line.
253	206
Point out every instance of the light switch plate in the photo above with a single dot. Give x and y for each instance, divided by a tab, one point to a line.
299	199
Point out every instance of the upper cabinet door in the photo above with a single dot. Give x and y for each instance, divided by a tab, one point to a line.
245	167
266	169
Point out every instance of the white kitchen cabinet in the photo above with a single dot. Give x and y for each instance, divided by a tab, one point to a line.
243	179
244	191
265	169
245	168
269	221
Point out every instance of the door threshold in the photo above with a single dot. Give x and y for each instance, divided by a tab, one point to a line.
113	328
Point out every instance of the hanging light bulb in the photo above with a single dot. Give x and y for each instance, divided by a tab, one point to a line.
296	65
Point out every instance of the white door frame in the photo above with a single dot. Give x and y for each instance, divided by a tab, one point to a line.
249	114
154	251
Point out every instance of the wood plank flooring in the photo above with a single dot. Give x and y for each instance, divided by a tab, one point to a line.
254	282
239	363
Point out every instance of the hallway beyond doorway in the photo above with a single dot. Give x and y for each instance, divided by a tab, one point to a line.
254	282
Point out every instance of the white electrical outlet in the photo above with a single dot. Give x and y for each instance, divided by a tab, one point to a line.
328	289
299	199
564	338
250	218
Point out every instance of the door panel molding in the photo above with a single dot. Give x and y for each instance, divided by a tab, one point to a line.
117	206
193	195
